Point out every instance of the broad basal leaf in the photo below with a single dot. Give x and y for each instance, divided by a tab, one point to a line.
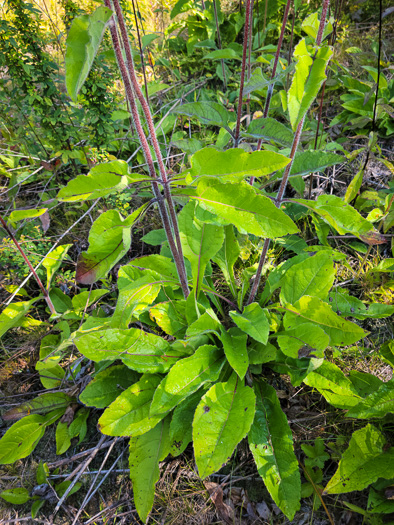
365	460
305	340
377	404
83	41
332	383
313	276
106	385
13	314
227	256
146	452
170	316
186	376
234	344
53	261
103	179
270	129
200	242
341	216
16	496
234	164
181	423
137	349
310	161
209	113
207	322
222	418
271	443
129	414
241	205
253	322
109	240
313	309
40	405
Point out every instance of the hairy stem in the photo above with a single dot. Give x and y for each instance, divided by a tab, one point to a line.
141	53
243	67
179	262
39	282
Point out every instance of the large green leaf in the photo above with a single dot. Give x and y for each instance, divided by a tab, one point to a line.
234	164
109	241
304	340
170	316
209	113
102	180
314	277
332	383
341	216
22	438
20	215
271	443
200	242
164	266
241	205
377	404
313	309
105	387
186	376
220	54
83	41
146	452
310	161
234	344
270	129
16	496
309	75
137	349
181	427
365	460
129	414
223	417
227	256
11	315
253	321
53	261
206	323
40	405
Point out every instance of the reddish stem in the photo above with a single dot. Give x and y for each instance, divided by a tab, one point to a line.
42	287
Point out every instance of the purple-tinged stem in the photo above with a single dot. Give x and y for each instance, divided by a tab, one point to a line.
179	262
243	68
39	282
141	53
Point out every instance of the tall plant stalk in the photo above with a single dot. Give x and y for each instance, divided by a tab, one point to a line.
243	68
283	184
215	10
39	282
141	53
128	75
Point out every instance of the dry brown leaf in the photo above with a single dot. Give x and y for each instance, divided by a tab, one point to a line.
224	511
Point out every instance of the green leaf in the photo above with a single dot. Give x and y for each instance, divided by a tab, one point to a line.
16	496
253	322
209	113
207	322
316	453
200	242
311	26
310	161
271	443
20	215
364	461
157	263
313	277
241	205
227	256
256	82
22	438
223	54
354	186
40	405
53	261
104	388
129	414
180	7
305	340
309	76
186	377
83	41
341	216
270	129
364	383
377	404
63	439
85	299
332	383
234	164
146	452
109	241
223	417
35	507
103	179
313	309
13	313
170	316
181	423
42	473
139	350
234	344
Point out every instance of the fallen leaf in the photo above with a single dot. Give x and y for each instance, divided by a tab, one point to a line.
224	511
